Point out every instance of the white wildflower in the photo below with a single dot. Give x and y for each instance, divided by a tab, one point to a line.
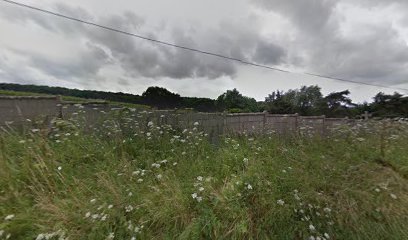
199	199
312	228
249	186
245	160
88	214
393	196
194	195
59	168
201	189
129	208
159	176
199	178
327	210
280	202
92	200
196	124
111	236
326	235
110	206
9	217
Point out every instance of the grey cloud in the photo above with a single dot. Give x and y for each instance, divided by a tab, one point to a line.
309	16
86	65
268	53
141	58
379	56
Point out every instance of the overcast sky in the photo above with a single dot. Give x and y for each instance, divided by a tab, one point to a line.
360	40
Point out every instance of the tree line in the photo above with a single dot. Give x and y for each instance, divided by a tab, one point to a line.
307	101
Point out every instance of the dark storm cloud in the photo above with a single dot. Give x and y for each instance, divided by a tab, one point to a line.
141	58
86	65
379	55
309	16
268	53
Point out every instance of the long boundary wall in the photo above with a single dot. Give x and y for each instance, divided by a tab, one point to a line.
19	110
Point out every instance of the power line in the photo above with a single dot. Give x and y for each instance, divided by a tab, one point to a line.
189	48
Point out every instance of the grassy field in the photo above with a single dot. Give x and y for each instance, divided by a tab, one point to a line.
134	180
72	99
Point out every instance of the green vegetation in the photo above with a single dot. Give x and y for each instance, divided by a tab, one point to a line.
306	101
72	99
132	179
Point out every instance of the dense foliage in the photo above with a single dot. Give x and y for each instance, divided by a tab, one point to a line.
307	101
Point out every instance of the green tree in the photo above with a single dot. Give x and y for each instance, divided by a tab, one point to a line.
161	98
234	101
338	104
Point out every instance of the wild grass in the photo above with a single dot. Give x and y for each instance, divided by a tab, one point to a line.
137	180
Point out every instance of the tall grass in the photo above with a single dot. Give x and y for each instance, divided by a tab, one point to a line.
131	179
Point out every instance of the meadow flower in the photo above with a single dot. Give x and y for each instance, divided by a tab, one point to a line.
280	202
174	164
110	206
21	141
326	235
136	172
159	176
87	215
103	218
139	180
194	195
312	228
111	236
95	216
297	197
249	187
196	124
199	199
59	168
92	200
9	217
200	178
129	208
393	196
377	190
201	189
246	160
156	165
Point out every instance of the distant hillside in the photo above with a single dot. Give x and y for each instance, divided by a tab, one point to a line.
154	97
